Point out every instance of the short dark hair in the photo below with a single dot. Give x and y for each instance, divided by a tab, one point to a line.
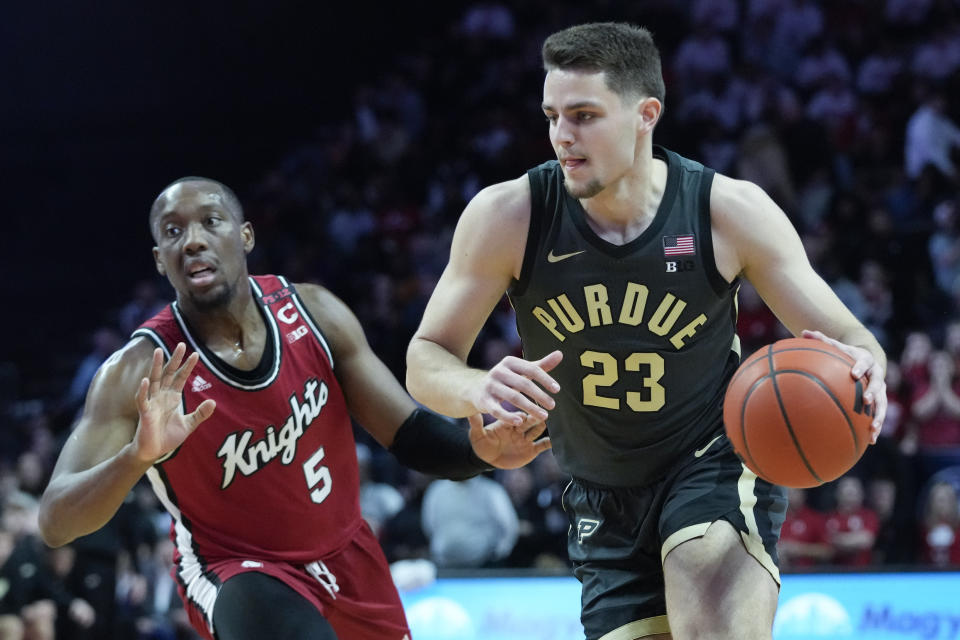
625	52
231	199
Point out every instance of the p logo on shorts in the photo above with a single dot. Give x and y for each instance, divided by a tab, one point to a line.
586	527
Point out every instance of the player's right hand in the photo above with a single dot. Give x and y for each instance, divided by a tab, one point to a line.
163	426
524	384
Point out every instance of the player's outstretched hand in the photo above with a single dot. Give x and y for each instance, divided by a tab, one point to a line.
163	426
506	445
524	384
865	365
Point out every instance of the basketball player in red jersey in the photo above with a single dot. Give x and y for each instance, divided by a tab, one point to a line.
235	401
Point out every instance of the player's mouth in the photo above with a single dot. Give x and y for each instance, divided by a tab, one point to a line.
571	164
201	273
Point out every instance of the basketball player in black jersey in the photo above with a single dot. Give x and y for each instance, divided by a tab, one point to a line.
622	261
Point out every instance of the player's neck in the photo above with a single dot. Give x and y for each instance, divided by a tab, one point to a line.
233	327
626	207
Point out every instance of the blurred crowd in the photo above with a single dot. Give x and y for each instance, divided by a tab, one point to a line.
845	112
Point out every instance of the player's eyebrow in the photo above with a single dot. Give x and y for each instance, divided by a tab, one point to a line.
572	106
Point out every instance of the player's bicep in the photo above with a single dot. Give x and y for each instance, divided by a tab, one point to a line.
374	396
772	257
485	256
458	309
109	419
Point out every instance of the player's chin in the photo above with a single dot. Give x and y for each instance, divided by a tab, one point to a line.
210	297
582	189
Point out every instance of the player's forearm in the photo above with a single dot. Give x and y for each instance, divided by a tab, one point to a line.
440	380
76	504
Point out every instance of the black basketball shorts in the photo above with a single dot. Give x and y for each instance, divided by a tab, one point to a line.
619	536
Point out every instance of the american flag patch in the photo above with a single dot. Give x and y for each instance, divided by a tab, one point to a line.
679	245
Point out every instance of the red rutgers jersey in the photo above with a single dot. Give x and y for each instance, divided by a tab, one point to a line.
272	475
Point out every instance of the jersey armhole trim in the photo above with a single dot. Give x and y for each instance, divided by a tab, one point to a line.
533	233
154	337
309	319
720	286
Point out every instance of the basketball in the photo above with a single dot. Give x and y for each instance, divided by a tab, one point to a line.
795	415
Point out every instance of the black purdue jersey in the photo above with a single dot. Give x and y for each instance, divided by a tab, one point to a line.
647	329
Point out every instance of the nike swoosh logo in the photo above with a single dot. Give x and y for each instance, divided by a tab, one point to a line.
563	256
700	452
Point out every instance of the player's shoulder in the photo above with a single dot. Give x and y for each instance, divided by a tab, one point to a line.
123	370
331	313
137	353
319	300
507	200
729	193
496	216
739	203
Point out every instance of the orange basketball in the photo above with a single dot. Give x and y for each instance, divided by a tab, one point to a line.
795	415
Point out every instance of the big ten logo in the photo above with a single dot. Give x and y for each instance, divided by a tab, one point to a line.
676	266
296	334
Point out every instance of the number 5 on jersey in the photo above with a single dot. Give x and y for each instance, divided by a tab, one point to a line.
318	477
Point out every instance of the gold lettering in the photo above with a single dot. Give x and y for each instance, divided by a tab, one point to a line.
569	317
597	307
688	331
547	320
657	323
634	302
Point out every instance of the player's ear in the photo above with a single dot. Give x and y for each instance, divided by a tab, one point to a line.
156	261
649	110
249	241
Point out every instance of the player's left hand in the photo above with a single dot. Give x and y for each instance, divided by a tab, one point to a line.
865	365
505	445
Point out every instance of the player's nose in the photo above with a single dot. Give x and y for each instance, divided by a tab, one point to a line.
563	132
194	239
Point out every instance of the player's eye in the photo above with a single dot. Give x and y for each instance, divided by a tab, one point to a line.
583	116
171	231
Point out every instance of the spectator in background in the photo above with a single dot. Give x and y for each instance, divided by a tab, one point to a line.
104	341
931	138
851	526
880	69
144	304
803	536
534	539
471	523
35	601
822	62
402	535
722	15
944	245
938	57
935	407
940	528
702	55
889	547
379	501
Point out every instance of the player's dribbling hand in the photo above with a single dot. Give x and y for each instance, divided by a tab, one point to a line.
163	426
865	365
506	445
524	384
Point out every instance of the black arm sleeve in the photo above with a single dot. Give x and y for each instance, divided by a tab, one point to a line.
430	443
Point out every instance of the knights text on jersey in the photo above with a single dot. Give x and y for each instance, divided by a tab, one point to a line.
647	328
273	473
